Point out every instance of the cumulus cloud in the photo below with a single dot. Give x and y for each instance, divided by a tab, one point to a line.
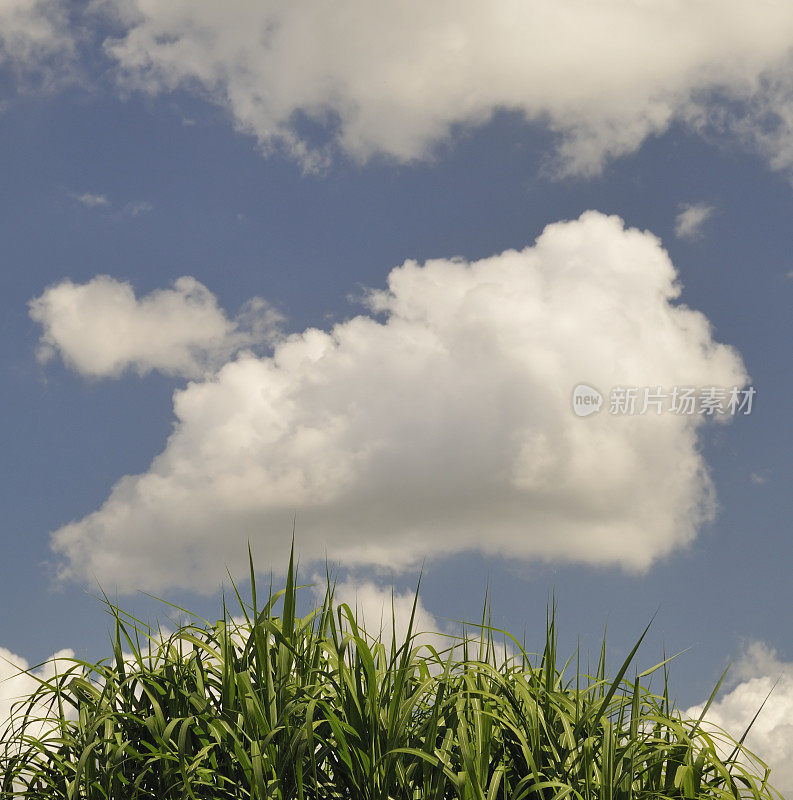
439	422
692	216
385	615
101	329
760	672
382	612
35	36
18	682
399	78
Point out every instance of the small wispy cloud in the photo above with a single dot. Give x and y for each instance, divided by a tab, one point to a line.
759	477
94	200
135	209
91	200
690	220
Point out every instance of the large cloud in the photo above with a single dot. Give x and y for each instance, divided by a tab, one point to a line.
399	77
35	35
760	672
101	329
443	426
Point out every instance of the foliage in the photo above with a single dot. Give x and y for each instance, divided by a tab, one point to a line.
267	705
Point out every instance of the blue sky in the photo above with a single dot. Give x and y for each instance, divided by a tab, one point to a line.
126	159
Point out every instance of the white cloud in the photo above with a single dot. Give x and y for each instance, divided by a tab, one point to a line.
759	477
771	736
443	426
18	682
399	78
135	209
90	200
101	329
689	222
385	615
35	37
382	613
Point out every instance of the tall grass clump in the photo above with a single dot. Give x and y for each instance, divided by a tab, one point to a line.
267	704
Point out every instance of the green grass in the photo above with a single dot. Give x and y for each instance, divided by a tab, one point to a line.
265	704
